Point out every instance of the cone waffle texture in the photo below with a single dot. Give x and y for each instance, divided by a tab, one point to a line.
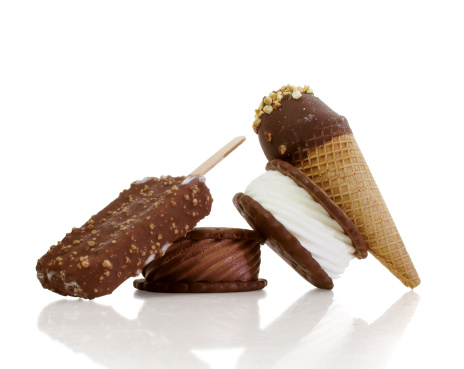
339	168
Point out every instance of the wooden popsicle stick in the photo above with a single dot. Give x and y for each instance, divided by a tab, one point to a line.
218	156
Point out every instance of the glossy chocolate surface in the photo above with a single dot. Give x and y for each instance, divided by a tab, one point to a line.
115	244
303	122
209	255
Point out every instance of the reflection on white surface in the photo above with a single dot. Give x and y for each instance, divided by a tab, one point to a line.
340	341
197	331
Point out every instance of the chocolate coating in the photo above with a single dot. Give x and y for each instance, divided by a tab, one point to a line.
115	244
207	260
305	122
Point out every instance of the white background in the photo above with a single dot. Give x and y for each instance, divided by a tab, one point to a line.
97	94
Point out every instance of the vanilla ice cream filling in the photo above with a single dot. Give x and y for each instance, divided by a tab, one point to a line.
305	219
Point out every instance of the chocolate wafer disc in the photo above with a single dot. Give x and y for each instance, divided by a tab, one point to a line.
282	241
200	287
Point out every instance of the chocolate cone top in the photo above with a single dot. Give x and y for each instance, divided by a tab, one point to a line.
292	118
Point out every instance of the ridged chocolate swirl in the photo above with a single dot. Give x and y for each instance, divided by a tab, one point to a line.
209	255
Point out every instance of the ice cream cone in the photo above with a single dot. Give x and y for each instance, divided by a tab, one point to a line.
304	131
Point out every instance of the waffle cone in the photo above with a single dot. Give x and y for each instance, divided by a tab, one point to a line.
339	168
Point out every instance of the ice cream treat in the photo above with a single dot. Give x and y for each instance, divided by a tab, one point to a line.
294	125
207	260
118	241
130	232
301	223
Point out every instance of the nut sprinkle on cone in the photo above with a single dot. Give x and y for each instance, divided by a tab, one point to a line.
294	125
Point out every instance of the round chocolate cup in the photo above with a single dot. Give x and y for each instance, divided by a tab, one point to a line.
207	260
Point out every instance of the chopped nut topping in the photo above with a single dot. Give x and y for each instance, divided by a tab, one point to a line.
268	109
106	264
268	100
268	136
91	243
296	94
195	202
160	236
273	101
152	226
282	149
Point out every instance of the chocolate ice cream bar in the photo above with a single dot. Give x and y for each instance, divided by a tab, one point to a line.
115	244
